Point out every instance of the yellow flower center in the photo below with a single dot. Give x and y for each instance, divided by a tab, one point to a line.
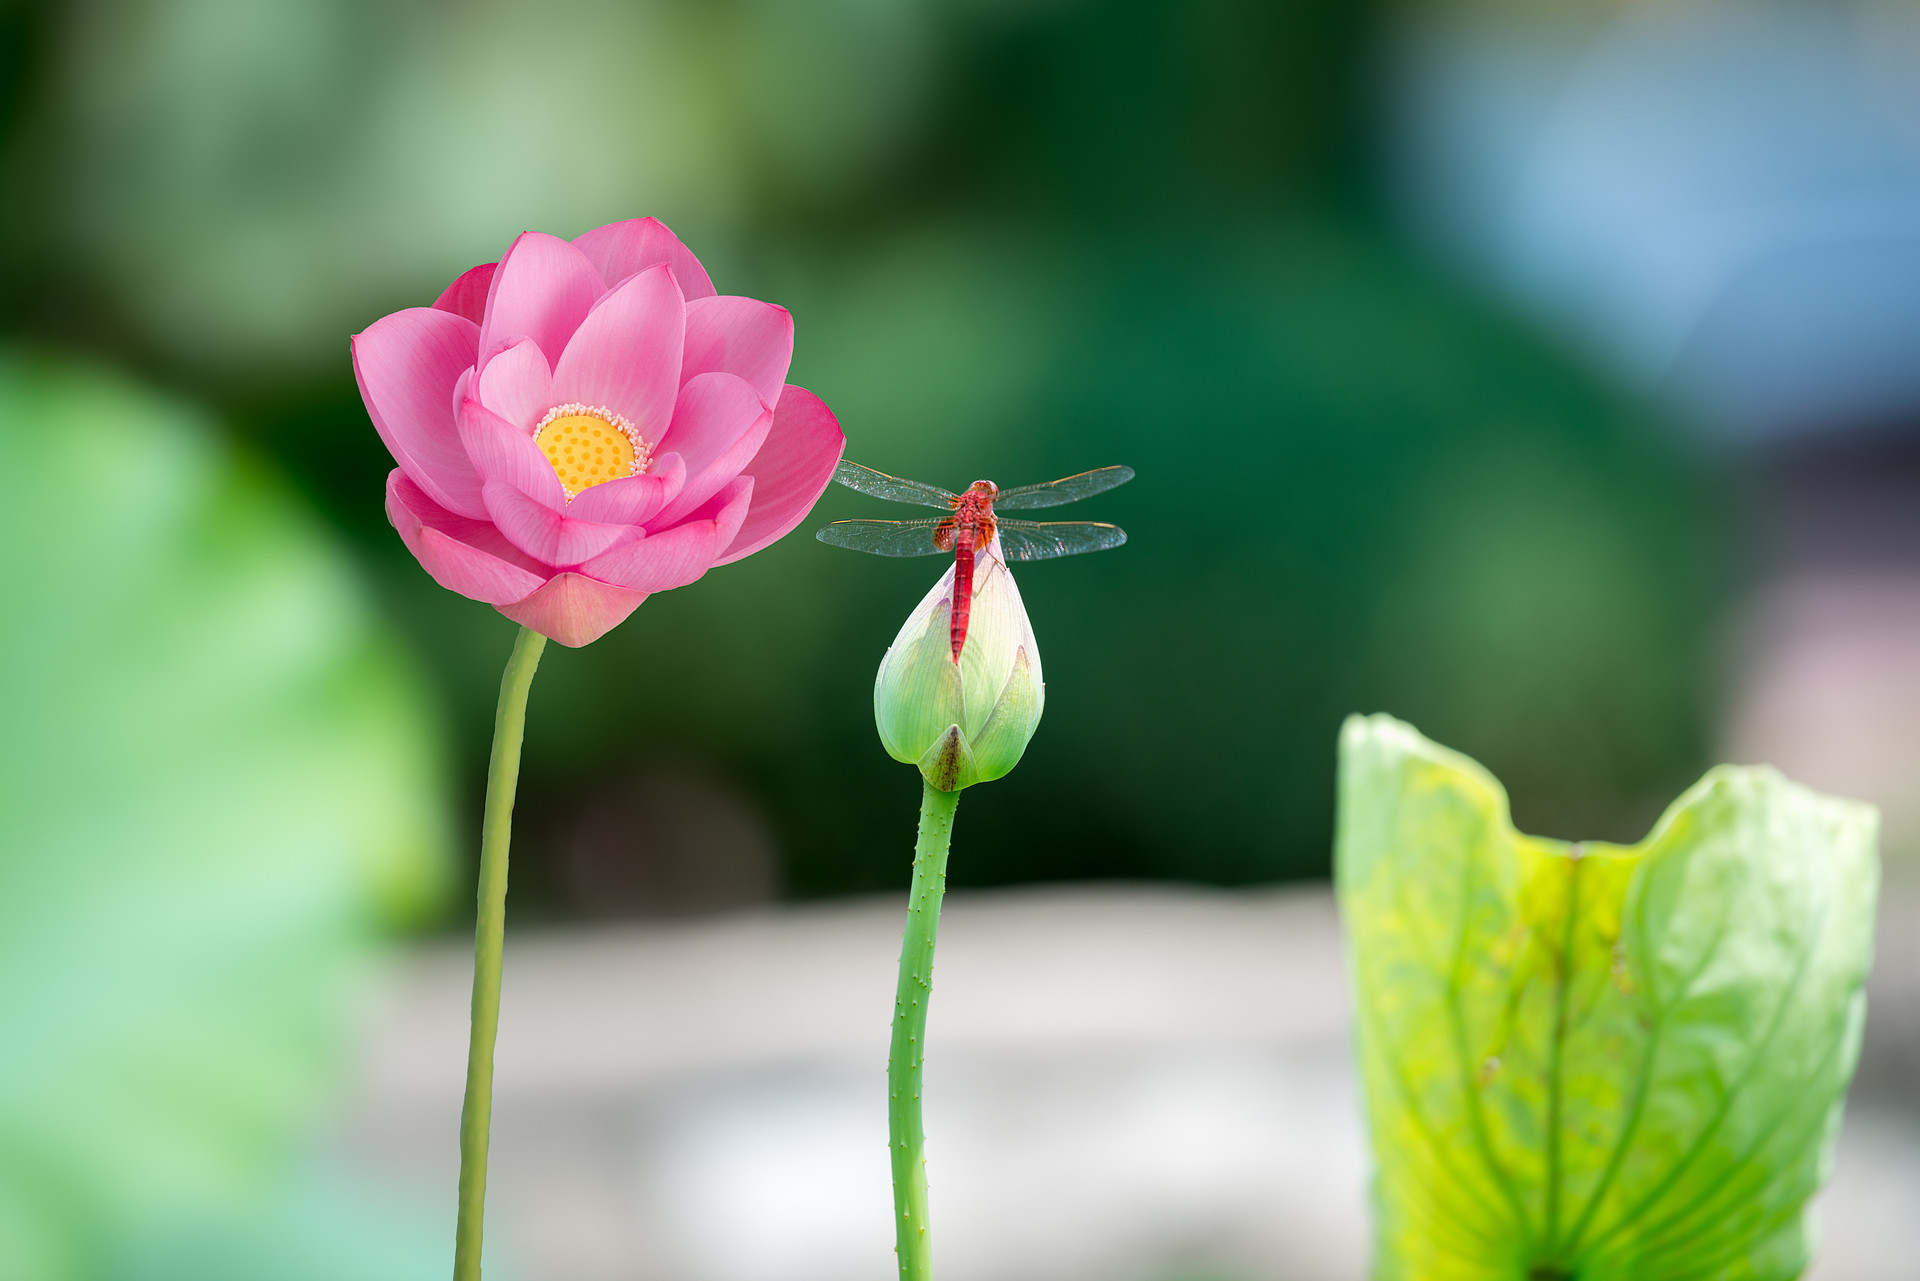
588	446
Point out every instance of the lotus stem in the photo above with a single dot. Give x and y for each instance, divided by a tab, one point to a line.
906	1142
496	828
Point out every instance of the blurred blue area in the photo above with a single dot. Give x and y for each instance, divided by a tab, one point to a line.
1720	199
1398	311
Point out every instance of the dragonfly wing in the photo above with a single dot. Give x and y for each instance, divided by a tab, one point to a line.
1070	489
885	537
880	485
1043	540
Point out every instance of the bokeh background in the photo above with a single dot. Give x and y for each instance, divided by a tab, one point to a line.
1544	373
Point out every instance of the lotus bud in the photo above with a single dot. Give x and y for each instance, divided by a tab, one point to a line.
968	721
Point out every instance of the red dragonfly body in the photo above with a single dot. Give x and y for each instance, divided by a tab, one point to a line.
973	524
971	531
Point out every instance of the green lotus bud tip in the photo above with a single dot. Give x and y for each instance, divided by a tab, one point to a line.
969	721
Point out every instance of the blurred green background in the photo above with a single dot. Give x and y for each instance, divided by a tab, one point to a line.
1019	238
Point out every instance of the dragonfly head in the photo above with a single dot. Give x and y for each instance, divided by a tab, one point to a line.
984	489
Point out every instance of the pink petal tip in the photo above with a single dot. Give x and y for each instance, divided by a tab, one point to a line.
574	609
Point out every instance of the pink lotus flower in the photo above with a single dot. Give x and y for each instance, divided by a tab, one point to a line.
585	423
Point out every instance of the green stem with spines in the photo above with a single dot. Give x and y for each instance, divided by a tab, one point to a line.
906	1142
496	828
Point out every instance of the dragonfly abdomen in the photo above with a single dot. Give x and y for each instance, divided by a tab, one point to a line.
962	595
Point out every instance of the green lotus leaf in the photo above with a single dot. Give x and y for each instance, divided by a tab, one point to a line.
215	780
1590	1061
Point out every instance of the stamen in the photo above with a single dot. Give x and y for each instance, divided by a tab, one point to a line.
588	445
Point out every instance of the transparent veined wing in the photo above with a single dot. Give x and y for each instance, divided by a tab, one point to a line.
1043	540
1069	489
886	537
892	488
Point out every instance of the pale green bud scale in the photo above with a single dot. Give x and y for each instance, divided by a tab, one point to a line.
968	722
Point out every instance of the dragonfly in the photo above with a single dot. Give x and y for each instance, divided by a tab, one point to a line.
972	522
